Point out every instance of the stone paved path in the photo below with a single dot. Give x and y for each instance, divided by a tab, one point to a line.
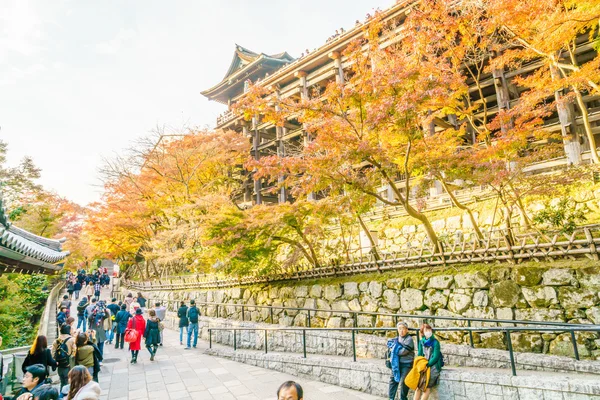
189	374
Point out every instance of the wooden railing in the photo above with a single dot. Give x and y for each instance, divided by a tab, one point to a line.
499	246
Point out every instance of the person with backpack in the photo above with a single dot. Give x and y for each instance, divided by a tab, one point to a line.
121	320
142	301
152	333
81	320
63	351
61	317
161	314
192	314
70	289
114	309
99	320
183	321
429	347
400	357
88	353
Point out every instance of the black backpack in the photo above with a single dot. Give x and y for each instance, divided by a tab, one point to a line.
62	355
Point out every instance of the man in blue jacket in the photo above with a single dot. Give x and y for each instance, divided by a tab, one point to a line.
401	357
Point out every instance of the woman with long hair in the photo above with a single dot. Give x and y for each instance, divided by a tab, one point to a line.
39	353
81	385
152	334
139	324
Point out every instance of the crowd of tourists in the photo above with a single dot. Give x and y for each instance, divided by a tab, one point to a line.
88	284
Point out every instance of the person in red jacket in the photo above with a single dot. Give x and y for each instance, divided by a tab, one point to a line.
139	324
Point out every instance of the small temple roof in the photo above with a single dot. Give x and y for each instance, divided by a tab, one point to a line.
245	64
22	250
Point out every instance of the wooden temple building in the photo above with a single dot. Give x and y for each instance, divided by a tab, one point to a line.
26	253
295	77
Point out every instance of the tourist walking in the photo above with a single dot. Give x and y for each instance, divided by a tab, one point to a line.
183	320
99	321
88	291
70	289
81	313
81	386
77	289
114	308
401	354
61	317
88	354
134	306
142	301
63	351
66	303
121	320
193	313
39	353
152	333
97	289
128	301
161	314
429	347
137	323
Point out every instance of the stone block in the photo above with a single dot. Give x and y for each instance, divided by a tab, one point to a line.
335	322
236	293
323	305
273	292
480	298
527	276
368	303
541	314
558	277
480	312
351	290
316	291
411	299
499	274
530	394
477	280
474	391
366	320
589	277
286	292
354	379
310	303
332	292
391	299
493	340
593	314
577	298
527	342
459	303
341	305
440	282
418	282
375	289
540	296
301	291
363	287
395	283
505	294
354	305
435	299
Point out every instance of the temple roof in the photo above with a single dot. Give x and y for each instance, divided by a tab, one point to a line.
22	250
245	64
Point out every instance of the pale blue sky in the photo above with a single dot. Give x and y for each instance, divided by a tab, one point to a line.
81	80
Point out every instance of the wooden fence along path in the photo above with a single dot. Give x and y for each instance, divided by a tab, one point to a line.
499	246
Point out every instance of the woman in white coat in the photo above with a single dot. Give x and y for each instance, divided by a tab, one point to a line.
81	385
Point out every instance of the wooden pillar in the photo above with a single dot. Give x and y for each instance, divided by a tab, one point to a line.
337	60
255	144
281	131
503	97
566	116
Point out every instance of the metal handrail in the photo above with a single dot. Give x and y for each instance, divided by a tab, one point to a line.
506	330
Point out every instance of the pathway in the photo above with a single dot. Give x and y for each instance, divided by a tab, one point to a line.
189	374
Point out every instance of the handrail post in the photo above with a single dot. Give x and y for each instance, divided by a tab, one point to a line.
271	312
511	354
355	320
309	318
574	341
304	342
243	317
354	345
210	338
266	341
234	340
470	334
217	311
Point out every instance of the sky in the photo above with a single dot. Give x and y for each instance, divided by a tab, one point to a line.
81	80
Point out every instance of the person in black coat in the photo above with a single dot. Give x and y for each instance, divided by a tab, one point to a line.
183	320
40	354
152	333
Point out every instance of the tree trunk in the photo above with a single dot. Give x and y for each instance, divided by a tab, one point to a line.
462	207
365	228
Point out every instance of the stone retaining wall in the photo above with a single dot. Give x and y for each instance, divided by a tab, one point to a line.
566	294
455	383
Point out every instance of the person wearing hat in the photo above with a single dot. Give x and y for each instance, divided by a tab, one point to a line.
193	314
139	324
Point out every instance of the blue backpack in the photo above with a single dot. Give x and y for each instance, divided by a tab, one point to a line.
193	314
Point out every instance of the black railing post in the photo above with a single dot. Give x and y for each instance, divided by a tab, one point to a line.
470	334
243	318
210	338
271	312
355	319
574	341
309	318
304	342
266	341
234	340
510	353
353	344
217	311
